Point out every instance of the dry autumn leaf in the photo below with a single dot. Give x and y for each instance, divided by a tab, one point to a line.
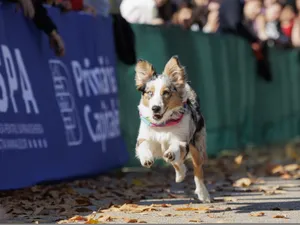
280	216
77	218
137	182
274	192
285	176
136	208
161	205
92	221
230	199
186	209
105	218
257	214
291	167
238	160
277	169
128	220
243	182
201	208
195	221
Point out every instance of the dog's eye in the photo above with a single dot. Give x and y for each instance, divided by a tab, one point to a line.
150	93
166	93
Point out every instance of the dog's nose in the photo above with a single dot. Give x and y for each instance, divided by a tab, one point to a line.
156	108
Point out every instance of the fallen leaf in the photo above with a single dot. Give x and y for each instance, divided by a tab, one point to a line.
291	167
280	216
38	210
137	182
205	208
238	160
285	176
128	220
195	221
142	221
105	218
277	169
161	205
257	214
186	209
243	182
77	218
136	208
230	199
275	192
92	221
213	216
165	215
201	208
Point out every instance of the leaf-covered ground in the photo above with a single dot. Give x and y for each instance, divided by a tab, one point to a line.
259	185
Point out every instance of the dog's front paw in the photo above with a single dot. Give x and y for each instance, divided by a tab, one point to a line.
169	156
147	163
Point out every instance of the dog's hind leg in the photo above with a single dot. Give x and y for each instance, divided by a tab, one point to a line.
198	160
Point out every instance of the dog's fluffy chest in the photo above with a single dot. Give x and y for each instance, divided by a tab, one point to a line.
179	132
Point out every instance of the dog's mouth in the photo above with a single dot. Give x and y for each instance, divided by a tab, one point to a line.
158	116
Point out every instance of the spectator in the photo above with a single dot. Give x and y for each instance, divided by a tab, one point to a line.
183	17
28	8
287	20
268	3
166	10
40	17
295	38
212	24
153	12
144	12
101	7
272	26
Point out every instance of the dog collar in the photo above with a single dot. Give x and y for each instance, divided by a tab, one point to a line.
168	123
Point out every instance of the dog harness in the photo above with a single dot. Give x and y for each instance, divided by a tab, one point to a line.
168	123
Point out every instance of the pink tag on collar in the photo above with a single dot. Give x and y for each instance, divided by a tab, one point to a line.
168	123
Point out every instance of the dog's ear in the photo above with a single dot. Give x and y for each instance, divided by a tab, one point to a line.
175	71
144	71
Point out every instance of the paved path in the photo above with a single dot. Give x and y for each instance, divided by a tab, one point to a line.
253	187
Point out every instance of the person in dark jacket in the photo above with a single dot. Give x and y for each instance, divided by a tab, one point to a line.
232	20
35	10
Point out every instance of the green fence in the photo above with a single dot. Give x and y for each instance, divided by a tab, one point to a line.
240	108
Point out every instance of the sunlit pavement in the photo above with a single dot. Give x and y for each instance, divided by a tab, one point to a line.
260	185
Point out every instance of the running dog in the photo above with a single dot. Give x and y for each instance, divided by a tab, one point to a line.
172	126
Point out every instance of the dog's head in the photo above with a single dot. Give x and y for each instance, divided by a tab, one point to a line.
162	94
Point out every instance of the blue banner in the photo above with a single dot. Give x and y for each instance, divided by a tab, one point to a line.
59	117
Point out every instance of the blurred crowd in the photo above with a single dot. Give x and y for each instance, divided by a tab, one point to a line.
261	22
274	21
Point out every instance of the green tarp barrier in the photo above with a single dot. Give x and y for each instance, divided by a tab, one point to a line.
239	107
